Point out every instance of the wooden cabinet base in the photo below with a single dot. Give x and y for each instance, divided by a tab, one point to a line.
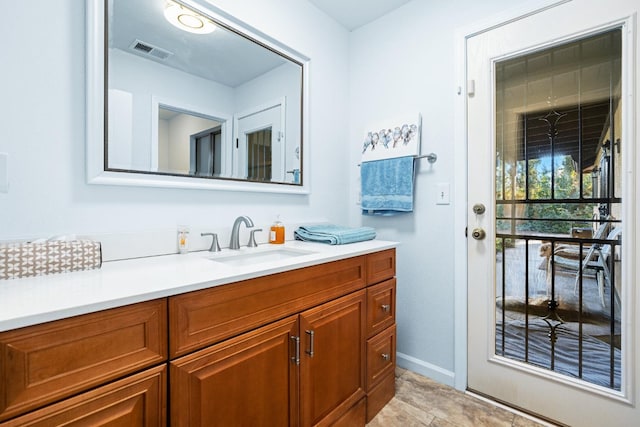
46	363
381	356
249	380
380	395
354	417
332	363
381	306
199	319
138	400
310	347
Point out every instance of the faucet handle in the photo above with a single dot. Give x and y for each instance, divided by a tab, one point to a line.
252	238
215	246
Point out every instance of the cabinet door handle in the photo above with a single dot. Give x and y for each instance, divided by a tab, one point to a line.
311	335
386	356
385	307
296	358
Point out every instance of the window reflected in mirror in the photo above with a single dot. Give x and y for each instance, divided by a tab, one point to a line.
259	158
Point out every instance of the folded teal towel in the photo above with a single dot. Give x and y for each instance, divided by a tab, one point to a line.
387	186
334	234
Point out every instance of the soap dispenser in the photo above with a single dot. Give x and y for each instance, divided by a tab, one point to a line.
276	236
183	242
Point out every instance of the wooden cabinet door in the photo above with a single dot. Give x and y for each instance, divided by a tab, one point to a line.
249	380
332	369
135	401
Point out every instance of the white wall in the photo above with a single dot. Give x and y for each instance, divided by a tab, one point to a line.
120	129
146	80
42	87
405	62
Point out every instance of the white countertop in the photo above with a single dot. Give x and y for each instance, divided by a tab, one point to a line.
29	301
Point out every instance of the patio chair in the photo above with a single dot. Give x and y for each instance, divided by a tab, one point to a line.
595	259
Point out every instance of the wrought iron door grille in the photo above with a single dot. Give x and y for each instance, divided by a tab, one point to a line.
558	209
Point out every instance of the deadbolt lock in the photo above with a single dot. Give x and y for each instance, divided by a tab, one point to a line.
478	234
478	209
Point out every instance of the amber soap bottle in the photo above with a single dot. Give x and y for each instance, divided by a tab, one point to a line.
276	235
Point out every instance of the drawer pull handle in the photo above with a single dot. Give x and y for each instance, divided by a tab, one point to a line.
296	358
311	336
386	356
385	307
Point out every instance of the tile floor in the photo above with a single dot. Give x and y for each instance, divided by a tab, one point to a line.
420	401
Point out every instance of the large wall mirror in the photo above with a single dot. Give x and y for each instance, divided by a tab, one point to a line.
182	95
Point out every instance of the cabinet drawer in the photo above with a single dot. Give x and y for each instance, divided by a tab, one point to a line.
138	400
44	363
201	318
381	266
381	356
380	395
381	306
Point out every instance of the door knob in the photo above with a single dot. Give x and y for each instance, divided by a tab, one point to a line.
478	234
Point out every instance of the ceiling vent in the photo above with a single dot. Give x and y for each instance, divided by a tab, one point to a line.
147	49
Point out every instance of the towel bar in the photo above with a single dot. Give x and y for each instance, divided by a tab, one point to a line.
431	157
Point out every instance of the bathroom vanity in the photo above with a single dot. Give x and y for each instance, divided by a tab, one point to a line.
304	340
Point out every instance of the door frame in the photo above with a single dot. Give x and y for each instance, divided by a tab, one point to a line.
460	173
460	179
280	157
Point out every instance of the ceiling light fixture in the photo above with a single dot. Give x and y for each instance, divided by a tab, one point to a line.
187	19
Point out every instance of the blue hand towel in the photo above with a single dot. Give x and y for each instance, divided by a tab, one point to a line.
334	234
387	186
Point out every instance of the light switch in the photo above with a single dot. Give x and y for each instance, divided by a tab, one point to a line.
442	196
4	172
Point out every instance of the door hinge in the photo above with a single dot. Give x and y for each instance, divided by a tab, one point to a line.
237	142
466	232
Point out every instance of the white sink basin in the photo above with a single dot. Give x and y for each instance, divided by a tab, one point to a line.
251	256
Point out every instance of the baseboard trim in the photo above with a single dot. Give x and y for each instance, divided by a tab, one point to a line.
426	369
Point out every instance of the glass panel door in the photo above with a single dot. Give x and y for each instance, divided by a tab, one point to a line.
558	209
552	160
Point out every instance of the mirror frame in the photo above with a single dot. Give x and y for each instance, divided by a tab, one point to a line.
95	110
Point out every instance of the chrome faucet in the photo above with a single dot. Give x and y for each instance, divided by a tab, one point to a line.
235	231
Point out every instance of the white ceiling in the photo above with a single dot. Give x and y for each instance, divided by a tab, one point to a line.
143	20
352	14
197	54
